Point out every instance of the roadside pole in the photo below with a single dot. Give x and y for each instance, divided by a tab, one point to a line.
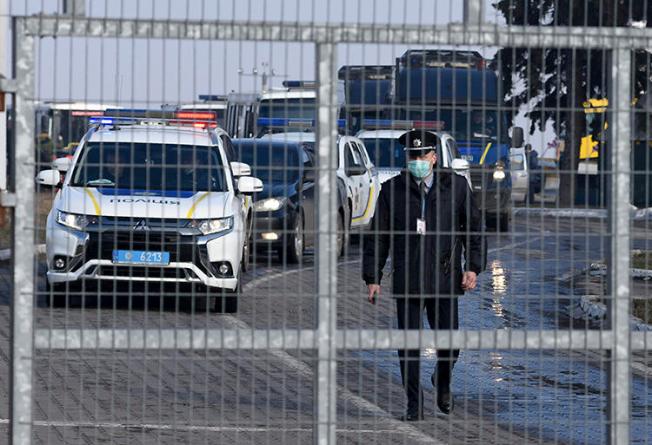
4	26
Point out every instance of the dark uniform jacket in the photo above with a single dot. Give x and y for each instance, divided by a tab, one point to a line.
429	264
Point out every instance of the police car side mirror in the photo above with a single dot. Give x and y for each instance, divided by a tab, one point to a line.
248	185
62	164
460	164
49	178
355	170
518	137
240	169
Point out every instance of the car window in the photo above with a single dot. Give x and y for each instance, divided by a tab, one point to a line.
357	153
517	162
272	163
452	145
149	167
228	148
363	153
352	156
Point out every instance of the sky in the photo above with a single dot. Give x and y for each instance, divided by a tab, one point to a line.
151	72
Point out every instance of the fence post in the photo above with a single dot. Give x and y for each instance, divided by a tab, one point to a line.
619	222
326	252
23	245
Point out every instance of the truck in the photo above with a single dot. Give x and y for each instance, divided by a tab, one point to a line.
367	94
458	93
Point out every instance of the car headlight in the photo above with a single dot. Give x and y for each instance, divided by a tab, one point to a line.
209	226
74	221
499	175
269	204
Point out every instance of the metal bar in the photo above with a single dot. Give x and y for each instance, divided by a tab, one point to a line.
618	267
351	339
23	227
454	34
473	12
326	384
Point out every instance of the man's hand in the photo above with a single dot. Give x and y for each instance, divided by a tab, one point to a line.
469	280
374	289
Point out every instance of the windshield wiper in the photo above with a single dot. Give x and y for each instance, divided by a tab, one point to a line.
102	182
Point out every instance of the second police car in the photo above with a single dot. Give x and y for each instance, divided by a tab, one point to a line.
381	139
150	198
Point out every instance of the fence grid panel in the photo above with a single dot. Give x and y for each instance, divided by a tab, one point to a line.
336	344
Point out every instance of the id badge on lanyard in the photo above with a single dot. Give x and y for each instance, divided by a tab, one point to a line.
421	226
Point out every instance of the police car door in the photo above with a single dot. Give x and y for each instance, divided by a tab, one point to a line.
350	166
365	179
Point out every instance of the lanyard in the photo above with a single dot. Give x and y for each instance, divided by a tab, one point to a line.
422	187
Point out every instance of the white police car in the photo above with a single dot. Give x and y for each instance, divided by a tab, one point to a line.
150	199
381	139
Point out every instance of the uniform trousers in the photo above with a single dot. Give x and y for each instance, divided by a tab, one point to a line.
442	313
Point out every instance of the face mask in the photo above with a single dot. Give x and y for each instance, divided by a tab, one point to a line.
419	169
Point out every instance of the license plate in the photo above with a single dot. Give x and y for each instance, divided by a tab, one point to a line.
141	257
467	157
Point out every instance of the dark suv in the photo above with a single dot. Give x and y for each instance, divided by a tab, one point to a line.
285	211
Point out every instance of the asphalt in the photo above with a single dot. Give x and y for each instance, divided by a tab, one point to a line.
117	396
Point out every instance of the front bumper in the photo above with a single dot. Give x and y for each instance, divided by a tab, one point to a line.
490	196
193	258
494	201
272	229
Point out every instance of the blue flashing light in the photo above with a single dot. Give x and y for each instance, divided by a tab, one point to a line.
299	84
103	120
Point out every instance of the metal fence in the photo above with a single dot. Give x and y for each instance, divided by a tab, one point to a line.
326	345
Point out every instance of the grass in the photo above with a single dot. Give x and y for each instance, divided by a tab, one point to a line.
642	260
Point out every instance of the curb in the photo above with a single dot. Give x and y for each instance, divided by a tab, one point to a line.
635	213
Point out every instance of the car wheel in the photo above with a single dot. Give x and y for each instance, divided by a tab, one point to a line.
227	303
244	263
201	300
498	222
295	242
341	235
503	224
55	294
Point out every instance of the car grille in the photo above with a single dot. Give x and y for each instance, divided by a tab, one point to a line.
481	177
181	248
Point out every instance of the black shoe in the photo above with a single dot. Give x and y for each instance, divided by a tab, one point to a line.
445	400
412	416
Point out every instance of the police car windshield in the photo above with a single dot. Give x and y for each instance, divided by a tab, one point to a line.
150	167
276	163
464	124
385	153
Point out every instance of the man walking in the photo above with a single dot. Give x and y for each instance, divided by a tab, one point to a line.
427	218
534	183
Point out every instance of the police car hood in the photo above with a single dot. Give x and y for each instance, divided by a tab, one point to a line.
108	201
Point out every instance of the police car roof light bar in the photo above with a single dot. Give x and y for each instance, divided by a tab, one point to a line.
197	119
303	84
